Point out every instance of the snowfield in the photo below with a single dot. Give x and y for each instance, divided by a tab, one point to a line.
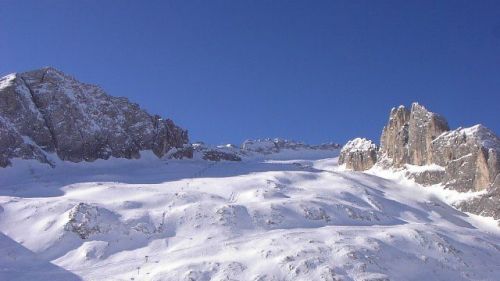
293	215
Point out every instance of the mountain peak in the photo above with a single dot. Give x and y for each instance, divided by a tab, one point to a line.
45	110
420	143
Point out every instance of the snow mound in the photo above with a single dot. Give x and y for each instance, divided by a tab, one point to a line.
358	144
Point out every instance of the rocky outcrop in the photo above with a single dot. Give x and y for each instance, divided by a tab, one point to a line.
485	205
217	155
407	137
471	157
180	153
420	143
358	154
201	151
462	159
46	111
86	220
89	220
269	146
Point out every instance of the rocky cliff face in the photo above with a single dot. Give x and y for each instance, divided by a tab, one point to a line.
420	143
407	137
46	111
471	158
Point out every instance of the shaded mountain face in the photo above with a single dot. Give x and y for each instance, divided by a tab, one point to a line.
46	111
420	143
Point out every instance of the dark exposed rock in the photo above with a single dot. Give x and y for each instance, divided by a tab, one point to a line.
86	220
269	146
358	154
23	132
485	205
215	155
181	153
200	150
46	111
429	175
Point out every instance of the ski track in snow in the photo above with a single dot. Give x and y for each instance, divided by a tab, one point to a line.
286	216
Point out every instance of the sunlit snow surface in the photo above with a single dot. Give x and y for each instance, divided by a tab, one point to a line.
293	215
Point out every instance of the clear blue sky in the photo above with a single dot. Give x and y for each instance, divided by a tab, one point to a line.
306	70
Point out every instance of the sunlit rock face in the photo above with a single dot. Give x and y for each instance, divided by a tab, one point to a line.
408	136
45	110
469	157
358	154
420	143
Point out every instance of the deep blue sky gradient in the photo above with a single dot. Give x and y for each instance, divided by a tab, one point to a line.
306	70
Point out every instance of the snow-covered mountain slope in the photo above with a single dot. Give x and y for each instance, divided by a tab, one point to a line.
292	215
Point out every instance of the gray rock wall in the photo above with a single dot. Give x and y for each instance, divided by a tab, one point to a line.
470	156
48	111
